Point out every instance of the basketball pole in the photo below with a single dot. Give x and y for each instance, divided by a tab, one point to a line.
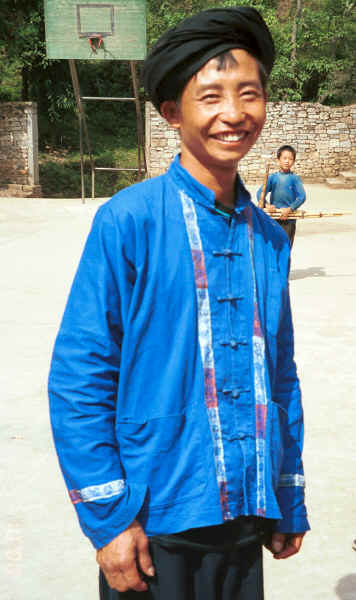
82	128
141	156
140	136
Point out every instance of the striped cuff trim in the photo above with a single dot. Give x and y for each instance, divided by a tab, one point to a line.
291	480
98	492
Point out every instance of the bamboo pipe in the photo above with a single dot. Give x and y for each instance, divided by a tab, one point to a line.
262	200
300	214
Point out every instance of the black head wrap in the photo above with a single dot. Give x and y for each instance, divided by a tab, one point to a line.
185	49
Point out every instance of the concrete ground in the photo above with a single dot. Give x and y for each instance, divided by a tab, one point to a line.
43	553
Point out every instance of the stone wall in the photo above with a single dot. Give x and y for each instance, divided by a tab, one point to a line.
19	150
324	137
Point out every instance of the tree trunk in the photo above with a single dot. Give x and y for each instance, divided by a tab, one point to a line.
298	12
25	85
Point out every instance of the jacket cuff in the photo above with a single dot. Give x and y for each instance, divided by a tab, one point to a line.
294	513
102	521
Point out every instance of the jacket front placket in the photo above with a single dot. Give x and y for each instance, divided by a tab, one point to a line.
222	270
235	297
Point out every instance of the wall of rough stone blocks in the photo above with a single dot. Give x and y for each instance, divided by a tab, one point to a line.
324	137
19	150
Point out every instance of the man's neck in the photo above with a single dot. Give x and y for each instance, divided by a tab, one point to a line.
221	181
225	195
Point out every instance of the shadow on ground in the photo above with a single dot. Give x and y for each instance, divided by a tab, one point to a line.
346	587
324	227
310	272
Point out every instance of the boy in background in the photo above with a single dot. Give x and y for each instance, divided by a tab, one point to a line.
286	189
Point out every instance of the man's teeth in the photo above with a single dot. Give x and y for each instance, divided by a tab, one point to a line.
231	137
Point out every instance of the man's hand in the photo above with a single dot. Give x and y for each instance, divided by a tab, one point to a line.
270	208
284	545
125	558
285	212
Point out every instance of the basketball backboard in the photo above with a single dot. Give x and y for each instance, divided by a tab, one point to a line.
96	30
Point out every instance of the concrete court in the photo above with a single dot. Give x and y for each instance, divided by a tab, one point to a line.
44	556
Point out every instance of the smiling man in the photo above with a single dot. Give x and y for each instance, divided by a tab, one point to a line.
219	116
175	401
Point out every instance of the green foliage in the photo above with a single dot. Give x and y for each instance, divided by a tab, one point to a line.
10	78
163	14
62	179
325	46
324	70
60	167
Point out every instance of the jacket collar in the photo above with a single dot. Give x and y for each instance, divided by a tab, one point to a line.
199	192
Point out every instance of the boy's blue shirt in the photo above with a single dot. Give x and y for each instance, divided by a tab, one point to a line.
173	391
286	190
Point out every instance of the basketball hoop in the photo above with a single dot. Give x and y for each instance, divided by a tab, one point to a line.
95	29
95	42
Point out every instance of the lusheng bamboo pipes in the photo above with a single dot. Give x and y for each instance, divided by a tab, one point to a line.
301	214
262	200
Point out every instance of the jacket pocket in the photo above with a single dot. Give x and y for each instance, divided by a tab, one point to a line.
164	453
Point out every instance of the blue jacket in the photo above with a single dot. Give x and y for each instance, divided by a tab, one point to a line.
286	190
173	391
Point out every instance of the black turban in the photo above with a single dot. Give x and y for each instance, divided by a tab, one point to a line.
185	49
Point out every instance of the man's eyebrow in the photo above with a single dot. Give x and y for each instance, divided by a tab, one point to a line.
250	82
202	87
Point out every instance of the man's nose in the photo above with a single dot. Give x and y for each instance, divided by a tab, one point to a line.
233	110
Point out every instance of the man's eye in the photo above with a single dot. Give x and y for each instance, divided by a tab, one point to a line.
210	97
250	94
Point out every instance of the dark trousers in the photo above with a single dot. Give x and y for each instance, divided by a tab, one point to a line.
223	562
289	227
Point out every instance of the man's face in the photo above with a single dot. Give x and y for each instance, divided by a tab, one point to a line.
220	115
286	161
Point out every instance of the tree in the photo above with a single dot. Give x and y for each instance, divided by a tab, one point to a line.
328	57
296	20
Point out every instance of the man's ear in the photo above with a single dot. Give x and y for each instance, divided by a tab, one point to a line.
171	112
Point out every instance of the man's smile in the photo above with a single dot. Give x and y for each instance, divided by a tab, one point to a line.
230	137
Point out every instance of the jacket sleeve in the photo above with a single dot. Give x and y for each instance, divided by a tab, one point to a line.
299	193
287	394
83	386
